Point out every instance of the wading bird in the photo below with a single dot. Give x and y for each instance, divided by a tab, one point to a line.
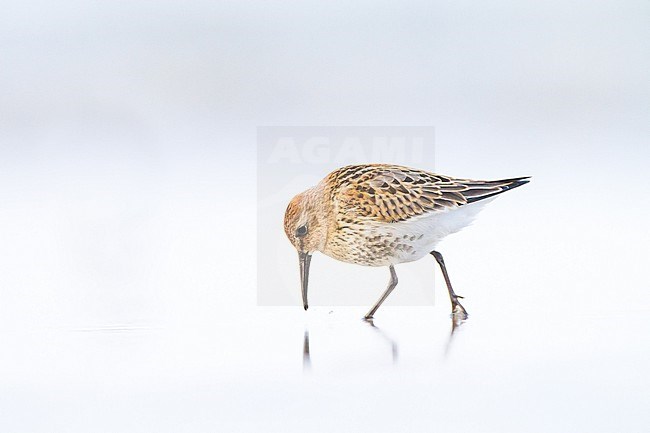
383	215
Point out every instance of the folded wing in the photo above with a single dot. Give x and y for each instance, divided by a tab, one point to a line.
391	193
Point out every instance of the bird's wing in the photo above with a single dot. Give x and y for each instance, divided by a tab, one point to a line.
390	193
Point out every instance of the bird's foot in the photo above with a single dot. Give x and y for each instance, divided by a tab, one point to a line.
457	309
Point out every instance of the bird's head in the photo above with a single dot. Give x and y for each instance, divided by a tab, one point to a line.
306	229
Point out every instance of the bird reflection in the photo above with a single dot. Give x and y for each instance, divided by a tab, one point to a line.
306	358
457	321
393	345
306	355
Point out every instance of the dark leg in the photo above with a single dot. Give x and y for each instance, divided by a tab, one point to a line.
391	286
456	307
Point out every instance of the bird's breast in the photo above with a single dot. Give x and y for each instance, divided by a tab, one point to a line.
379	244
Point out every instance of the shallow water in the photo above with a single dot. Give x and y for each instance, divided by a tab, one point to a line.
281	369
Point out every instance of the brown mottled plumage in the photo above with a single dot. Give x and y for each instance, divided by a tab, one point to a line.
382	215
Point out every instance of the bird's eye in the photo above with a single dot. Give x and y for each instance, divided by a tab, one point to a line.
301	231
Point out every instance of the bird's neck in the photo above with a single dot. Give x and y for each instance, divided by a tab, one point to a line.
320	208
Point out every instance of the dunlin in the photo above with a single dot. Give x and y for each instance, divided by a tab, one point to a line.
383	215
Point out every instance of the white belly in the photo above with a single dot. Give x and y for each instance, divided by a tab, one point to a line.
435	228
383	244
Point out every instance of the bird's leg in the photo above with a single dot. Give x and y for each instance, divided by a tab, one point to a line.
391	286
456	307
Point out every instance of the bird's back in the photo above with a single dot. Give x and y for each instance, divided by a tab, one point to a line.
388	214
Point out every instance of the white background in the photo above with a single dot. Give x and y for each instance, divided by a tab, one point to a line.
128	216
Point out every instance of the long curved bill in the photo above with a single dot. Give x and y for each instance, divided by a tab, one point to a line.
305	259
